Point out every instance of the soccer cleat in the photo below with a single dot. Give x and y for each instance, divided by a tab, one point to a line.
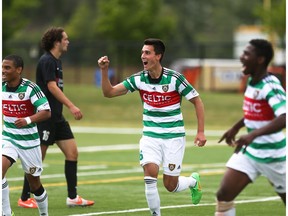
12	213
78	201
196	191
29	203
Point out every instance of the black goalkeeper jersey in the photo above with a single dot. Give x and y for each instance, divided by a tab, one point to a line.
50	69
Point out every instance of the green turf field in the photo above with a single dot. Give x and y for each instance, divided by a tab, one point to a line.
109	171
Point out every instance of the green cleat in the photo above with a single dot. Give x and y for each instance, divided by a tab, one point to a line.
12	213
196	191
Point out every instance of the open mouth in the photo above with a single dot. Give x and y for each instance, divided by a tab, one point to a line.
243	68
145	63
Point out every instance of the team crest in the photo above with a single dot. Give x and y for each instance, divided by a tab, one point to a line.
165	88
171	167
32	170
21	95
255	94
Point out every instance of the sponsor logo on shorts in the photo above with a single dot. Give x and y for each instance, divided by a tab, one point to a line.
171	167
32	170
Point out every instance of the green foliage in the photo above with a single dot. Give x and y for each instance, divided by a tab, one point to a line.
134	20
273	17
14	16
192	28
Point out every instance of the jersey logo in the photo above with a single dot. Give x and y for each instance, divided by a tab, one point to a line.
158	99
21	95
18	109
257	110
255	94
165	88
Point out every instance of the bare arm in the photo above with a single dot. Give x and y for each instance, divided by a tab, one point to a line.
37	117
200	138
277	124
61	97
229	135
107	89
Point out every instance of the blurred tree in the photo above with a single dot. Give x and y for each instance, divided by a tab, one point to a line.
190	28
207	27
134	20
14	17
122	25
122	20
273	16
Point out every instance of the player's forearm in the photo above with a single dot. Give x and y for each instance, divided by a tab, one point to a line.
40	116
239	125
199	107
277	124
60	96
106	84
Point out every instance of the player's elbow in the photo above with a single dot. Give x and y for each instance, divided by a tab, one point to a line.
47	114
107	94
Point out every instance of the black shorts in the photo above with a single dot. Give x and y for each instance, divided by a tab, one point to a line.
51	131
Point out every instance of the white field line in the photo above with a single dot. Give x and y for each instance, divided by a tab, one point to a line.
108	130
267	199
117	147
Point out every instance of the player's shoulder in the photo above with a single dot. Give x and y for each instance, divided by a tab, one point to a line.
272	78
46	57
28	83
170	72
139	74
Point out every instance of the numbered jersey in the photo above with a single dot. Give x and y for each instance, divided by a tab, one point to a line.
162	116
263	102
22	102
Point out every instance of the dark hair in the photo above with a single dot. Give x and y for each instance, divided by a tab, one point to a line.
263	48
158	45
52	35
17	60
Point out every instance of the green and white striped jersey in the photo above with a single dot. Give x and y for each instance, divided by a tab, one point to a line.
262	103
22	102
162	116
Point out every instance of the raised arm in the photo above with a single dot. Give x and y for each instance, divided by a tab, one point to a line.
107	89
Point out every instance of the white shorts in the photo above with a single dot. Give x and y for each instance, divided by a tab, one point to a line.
31	159
274	172
169	152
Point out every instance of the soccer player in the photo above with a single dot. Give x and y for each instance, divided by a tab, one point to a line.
49	76
163	140
23	105
262	151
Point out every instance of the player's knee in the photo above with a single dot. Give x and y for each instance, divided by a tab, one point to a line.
225	208
171	186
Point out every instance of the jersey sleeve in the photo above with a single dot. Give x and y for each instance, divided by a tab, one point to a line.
276	96
130	83
185	88
38	98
